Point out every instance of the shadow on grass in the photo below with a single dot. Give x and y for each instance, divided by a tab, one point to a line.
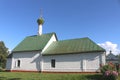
14	79
4	78
94	77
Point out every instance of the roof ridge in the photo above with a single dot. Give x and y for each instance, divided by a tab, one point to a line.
42	34
75	39
48	33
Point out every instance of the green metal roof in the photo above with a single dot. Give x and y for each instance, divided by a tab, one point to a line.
35	42
72	46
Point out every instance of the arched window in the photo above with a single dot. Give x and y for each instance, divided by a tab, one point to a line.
18	63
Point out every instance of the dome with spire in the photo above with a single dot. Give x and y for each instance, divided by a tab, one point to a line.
40	21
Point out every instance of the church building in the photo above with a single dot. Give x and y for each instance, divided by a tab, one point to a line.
45	53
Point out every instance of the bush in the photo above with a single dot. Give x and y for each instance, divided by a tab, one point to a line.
2	70
109	71
111	75
107	67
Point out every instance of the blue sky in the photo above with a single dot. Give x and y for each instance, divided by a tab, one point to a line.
97	19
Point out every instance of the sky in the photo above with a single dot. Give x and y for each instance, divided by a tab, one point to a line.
97	19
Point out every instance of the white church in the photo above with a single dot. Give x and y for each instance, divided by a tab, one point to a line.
45	53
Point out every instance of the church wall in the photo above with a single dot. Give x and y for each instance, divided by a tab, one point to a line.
83	62
26	61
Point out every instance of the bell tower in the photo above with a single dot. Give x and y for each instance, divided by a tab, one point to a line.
40	22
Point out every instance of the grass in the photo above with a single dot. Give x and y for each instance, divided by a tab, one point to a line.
48	76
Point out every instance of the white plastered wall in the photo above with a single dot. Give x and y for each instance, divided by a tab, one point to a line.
83	62
29	61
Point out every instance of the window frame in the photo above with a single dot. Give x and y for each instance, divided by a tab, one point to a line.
18	63
53	63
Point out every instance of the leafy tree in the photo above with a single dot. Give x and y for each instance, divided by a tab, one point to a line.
3	54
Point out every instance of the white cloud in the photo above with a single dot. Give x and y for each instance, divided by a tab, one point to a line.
110	46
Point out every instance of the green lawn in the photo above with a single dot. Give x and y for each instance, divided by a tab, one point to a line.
48	76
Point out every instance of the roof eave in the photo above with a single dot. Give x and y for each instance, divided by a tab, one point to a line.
25	51
72	53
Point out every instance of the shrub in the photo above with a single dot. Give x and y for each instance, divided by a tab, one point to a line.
1	69
107	67
111	75
117	67
109	71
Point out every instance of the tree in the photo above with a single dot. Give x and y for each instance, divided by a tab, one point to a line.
3	54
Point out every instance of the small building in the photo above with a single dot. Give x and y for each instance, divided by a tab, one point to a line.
45	53
112	58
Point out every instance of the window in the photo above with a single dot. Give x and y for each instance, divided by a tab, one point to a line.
53	63
18	63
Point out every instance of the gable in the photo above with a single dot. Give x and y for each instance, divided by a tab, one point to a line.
81	45
32	43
